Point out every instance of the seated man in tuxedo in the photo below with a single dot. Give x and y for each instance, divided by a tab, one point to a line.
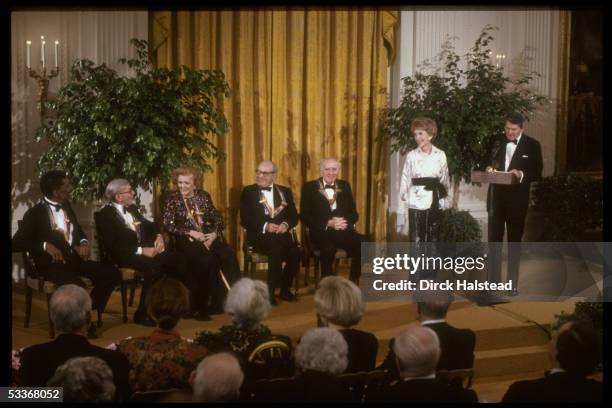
456	345
135	242
268	214
51	233
575	351
417	351
70	312
328	210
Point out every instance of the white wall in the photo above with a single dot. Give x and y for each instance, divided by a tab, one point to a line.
99	36
522	32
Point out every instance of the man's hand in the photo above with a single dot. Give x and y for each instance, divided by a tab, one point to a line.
56	254
337	223
517	173
282	228
271	228
149	252
159	244
83	250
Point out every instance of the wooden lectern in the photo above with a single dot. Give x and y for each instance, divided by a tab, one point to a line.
493	177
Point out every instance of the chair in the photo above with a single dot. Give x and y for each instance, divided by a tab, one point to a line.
460	377
252	258
363	383
34	281
311	251
128	275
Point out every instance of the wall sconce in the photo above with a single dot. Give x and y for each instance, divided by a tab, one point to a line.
500	60
42	78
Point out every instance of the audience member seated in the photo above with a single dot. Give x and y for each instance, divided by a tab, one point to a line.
51	233
339	305
191	217
218	378
163	360
70	310
136	242
320	356
248	304
84	379
575	351
417	351
456	345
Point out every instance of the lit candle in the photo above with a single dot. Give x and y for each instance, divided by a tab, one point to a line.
56	44
42	51
28	44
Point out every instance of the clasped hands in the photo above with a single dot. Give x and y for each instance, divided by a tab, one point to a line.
206	239
81	249
337	223
158	247
277	228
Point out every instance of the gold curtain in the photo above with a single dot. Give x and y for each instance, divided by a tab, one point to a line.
306	84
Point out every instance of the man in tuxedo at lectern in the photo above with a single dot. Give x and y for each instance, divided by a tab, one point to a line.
507	204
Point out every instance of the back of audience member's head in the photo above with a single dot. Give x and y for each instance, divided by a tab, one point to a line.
217	378
167	301
70	308
248	301
578	347
51	181
417	349
84	379
322	349
338	301
434	304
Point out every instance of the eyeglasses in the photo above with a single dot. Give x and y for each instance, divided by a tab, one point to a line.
264	173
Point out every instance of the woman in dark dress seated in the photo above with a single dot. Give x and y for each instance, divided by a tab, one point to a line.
191	217
261	354
339	305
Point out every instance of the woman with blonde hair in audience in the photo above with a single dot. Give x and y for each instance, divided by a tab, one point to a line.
163	360
339	305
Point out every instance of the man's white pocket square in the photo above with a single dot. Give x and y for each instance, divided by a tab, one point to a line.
525	155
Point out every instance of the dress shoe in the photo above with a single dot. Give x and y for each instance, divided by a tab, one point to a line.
200	316
145	320
288	296
92	332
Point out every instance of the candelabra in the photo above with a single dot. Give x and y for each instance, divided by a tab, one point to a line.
41	76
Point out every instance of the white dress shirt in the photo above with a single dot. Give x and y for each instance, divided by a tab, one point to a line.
59	219
420	164
329	192
269	196
510	149
129	221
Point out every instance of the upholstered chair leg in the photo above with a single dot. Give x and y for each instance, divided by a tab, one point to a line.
51	327
124	302
132	290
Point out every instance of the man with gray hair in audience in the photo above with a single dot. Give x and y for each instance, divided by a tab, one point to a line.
320	356
84	379
218	378
417	351
70	312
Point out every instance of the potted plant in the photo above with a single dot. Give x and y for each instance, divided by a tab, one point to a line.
137	127
468	106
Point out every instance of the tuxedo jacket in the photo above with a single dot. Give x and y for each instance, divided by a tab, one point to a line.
119	239
456	349
254	214
39	362
315	210
36	228
362	350
559	387
527	158
423	390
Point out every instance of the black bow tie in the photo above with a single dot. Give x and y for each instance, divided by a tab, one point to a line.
266	188
125	210
514	141
332	186
58	207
